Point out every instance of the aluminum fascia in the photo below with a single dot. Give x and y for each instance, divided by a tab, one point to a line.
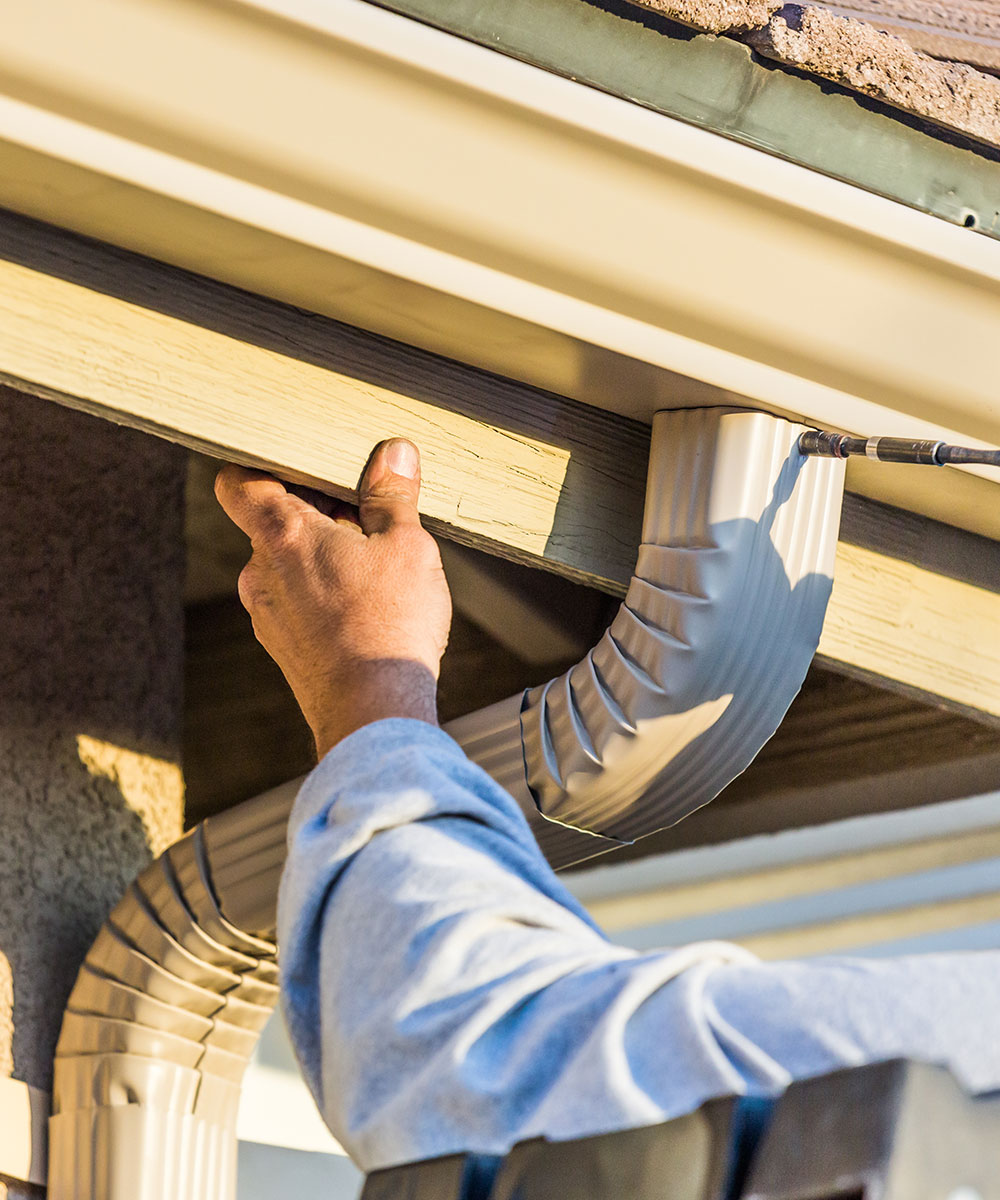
351	161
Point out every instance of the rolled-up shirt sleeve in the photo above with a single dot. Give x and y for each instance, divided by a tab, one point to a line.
443	990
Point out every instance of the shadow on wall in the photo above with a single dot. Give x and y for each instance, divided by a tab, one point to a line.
79	821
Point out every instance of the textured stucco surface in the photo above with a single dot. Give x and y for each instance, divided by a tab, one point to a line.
91	560
855	55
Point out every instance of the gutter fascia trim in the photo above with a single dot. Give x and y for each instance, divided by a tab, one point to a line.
450	282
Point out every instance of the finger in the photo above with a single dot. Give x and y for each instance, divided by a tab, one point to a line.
253	500
390	487
339	511
327	505
345	514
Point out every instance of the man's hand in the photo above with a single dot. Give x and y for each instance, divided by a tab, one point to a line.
352	605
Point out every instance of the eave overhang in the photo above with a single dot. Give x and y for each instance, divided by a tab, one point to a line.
353	162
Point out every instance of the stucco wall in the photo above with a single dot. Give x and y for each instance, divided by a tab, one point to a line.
91	632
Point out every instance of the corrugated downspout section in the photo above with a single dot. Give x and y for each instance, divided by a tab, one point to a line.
246	848
712	643
718	628
162	1021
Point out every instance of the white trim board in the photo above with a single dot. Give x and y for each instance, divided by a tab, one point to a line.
845	886
24	1117
266	1171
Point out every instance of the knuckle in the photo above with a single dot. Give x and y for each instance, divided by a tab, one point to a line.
250	587
280	528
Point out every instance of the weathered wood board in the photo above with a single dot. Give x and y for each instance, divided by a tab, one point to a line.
255	382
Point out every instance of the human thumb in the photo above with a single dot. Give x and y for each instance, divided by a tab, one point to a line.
390	487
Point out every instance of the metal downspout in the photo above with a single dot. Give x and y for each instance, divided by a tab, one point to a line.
709	648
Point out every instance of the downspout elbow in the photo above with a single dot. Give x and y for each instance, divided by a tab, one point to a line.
712	643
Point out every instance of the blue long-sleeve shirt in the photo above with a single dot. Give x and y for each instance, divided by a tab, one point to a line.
444	991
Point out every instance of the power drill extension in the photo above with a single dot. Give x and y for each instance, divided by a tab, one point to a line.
894	450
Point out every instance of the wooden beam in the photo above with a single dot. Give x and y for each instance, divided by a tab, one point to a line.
916	603
527	474
523	473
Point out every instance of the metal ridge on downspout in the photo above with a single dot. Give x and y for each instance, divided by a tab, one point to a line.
708	650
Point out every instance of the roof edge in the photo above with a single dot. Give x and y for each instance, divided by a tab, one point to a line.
854	54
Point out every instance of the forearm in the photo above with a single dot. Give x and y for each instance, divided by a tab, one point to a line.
443	989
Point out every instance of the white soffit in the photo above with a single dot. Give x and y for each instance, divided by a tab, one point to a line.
356	163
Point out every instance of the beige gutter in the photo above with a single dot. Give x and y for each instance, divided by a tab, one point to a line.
489	211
